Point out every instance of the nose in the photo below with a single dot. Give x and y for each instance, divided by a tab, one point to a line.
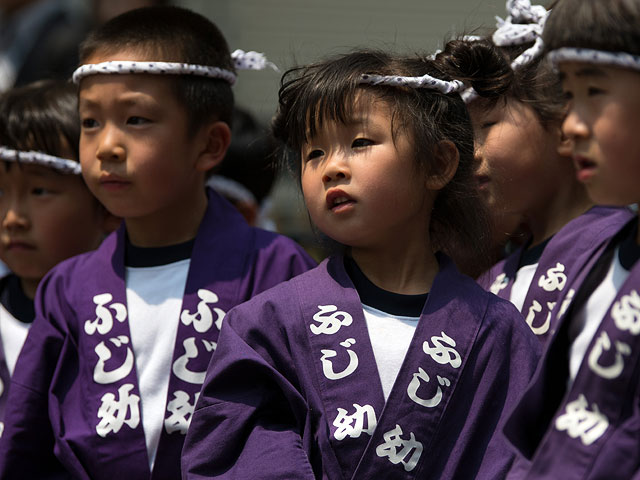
574	125
336	168
15	216
110	147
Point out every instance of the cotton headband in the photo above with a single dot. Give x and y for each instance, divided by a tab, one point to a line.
585	55
63	165
524	24
426	81
242	61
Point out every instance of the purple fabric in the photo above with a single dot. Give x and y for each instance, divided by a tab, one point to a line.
591	431
75	391
4	385
562	259
293	390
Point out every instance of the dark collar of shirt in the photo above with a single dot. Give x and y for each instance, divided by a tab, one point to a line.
383	300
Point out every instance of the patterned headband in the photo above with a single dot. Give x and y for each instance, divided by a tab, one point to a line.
509	34
426	81
584	55
63	165
242	61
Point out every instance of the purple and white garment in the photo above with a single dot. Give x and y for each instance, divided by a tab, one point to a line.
74	403
562	259
293	390
593	429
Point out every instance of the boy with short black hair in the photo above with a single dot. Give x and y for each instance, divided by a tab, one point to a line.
579	416
112	374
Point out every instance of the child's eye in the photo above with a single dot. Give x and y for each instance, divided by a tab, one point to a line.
41	191
486	125
361	142
592	91
314	154
89	123
135	120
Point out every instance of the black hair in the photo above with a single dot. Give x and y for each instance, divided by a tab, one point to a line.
250	157
173	34
612	25
328	90
487	68
41	116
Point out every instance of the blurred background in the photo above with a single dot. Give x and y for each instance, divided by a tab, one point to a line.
39	38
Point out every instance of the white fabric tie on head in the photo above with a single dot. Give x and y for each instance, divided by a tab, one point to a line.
509	34
63	165
242	61
425	81
585	55
513	31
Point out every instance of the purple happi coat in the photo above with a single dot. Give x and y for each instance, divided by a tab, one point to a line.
4	376
561	261
591	431
75	391
293	390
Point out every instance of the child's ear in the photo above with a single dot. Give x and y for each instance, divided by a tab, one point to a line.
446	157
217	137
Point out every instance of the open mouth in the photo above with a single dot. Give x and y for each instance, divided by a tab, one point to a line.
337	200
585	168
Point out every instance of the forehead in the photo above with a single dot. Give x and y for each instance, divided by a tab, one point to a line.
21	170
580	70
145	84
363	109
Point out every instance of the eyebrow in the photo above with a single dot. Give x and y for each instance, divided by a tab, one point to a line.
588	71
130	99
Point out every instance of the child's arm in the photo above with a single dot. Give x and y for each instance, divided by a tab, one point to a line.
249	416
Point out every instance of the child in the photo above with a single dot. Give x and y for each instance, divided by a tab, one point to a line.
124	335
47	212
579	417
516	108
385	362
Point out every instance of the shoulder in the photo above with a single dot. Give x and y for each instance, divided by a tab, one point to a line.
504	324
282	302
596	223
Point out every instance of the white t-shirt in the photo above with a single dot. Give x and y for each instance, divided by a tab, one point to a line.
14	333
154	301
390	337
521	285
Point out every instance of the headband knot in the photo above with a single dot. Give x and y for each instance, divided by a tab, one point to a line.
251	61
513	31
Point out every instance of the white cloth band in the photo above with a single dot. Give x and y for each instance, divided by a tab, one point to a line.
512	30
584	55
242	61
426	81
64	165
509	34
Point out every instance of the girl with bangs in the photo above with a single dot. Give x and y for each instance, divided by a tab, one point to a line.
384	361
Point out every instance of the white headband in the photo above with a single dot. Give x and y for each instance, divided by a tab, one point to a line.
38	158
509	34
585	55
426	81
242	61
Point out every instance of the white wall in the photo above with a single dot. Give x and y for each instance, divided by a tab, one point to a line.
290	31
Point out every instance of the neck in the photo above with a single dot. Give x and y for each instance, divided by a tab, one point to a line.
29	287
568	204
168	226
402	270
